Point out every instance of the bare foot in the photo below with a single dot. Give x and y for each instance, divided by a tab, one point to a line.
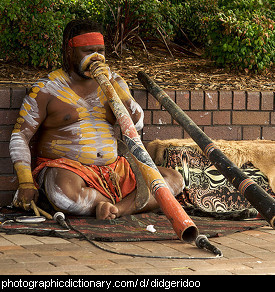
106	210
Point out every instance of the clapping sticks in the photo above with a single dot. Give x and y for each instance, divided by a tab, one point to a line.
38	211
58	217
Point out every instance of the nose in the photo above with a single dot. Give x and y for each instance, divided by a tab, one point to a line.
97	57
87	60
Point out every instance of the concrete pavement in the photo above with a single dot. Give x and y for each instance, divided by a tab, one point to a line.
246	253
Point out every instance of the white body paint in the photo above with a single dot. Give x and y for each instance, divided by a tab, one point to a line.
82	206
88	140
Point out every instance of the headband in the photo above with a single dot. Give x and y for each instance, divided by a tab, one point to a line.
87	39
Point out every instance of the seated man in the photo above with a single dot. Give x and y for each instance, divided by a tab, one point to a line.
78	164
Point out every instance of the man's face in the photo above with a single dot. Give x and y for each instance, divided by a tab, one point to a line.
79	53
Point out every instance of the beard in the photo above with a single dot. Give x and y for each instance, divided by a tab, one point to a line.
80	72
76	66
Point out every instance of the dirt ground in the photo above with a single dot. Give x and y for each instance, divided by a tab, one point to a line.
182	71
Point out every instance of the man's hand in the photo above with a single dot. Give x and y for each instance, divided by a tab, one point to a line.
97	68
94	64
24	196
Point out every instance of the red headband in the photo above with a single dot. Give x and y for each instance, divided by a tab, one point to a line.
87	39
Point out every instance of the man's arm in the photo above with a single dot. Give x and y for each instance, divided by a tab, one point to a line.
131	105
31	115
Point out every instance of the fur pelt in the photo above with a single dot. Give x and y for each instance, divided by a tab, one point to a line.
261	153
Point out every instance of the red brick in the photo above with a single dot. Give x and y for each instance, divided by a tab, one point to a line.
182	99
4	97
251	133
226	100
253	100
267	100
5	132
269	133
273	118
8	117
8	183
6	198
224	132
147	117
197	100
171	94
6	166
250	118
221	118
211	100
153	103
161	117
4	149
17	95
200	117
151	132
239	100
140	96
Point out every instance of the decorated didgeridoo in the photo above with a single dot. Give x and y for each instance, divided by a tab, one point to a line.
182	224
259	198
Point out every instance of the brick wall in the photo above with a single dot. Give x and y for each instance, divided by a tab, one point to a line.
229	115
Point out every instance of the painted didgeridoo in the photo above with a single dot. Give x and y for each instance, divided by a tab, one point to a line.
260	199
182	224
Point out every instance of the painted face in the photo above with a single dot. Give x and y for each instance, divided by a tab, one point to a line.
88	53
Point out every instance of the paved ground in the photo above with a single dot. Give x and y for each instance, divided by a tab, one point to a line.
247	253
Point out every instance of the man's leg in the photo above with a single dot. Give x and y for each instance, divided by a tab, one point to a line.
69	192
174	181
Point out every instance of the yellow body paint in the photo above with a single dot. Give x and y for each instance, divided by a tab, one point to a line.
89	140
24	173
27	186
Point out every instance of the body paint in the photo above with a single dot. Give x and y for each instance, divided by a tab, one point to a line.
23	172
83	204
124	94
90	140
88	134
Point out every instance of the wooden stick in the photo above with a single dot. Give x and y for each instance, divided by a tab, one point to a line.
44	213
36	212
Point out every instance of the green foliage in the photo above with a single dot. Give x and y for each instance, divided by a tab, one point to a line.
192	15
243	38
238	33
147	15
31	30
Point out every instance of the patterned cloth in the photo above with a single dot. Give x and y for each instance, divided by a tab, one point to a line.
207	189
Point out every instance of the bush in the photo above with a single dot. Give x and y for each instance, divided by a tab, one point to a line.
128	19
238	33
192	14
243	38
31	30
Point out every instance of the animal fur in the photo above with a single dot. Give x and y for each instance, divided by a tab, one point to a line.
261	153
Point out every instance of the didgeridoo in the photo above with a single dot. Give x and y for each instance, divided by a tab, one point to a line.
259	198
182	224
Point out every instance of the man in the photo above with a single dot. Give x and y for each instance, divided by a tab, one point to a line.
78	164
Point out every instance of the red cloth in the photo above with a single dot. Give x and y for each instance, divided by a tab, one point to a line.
95	176
87	39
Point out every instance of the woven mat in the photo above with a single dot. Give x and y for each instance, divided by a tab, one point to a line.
127	228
